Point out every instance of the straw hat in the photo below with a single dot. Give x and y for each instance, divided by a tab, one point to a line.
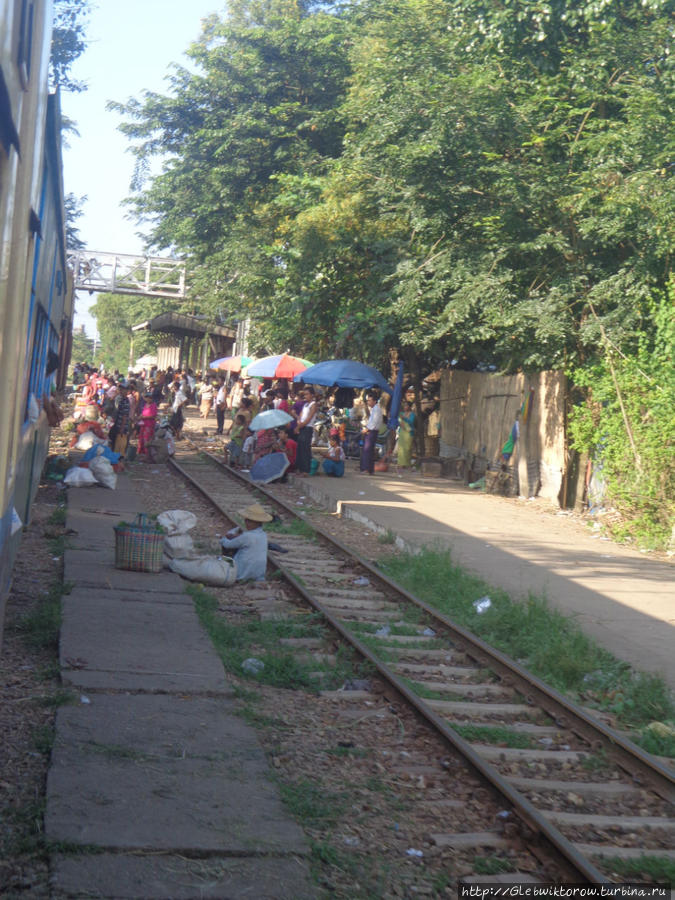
255	513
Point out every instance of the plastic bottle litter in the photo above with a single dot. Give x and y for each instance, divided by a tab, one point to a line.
502	818
383	632
412	852
356	684
253	666
351	841
84	699
482	605
429	632
361	581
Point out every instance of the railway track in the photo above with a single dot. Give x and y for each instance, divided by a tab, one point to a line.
581	793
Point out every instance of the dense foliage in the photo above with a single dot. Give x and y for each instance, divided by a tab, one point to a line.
628	423
68	42
115	316
449	178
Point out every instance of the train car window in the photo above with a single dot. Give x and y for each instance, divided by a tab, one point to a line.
25	41
36	375
8	133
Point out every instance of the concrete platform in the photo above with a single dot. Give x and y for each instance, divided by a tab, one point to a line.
126	642
156	784
94	569
624	599
164	773
156	877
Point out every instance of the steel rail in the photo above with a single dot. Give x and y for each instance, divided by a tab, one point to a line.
633	759
525	810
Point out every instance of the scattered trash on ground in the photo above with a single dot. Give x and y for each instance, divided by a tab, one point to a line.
482	605
253	666
356	684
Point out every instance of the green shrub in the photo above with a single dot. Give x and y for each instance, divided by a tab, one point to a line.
628	426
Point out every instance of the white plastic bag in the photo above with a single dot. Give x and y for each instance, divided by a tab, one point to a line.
206	569
77	477
33	410
87	440
177	521
17	524
482	605
103	472
179	546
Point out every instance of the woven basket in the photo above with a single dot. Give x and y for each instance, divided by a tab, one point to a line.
138	547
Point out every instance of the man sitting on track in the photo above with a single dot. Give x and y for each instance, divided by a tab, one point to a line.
250	545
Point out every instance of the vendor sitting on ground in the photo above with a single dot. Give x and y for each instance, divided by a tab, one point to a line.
334	463
250	544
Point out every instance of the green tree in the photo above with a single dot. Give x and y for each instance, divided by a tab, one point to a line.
73	210
264	102
115	316
514	171
627	424
68	42
83	347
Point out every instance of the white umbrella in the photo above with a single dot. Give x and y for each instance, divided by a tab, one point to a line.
270	418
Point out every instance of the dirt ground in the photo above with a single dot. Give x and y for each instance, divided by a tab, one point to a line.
30	692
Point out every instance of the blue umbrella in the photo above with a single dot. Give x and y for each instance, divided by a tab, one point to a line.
269	468
396	397
344	373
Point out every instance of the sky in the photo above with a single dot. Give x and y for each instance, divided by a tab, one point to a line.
131	45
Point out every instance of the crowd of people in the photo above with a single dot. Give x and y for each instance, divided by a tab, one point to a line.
316	425
322	431
143	414
145	405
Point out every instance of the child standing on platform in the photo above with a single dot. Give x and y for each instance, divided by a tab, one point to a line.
247	449
235	446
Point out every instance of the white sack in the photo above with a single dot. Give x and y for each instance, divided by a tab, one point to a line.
206	569
103	472
77	477
177	521
87	440
179	546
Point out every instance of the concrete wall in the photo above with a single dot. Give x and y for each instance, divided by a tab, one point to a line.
478	412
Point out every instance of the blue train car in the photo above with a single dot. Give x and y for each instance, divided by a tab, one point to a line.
36	297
